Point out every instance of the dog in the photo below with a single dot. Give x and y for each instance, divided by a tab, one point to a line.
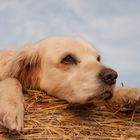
68	68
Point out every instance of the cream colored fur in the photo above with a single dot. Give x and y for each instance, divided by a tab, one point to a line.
39	66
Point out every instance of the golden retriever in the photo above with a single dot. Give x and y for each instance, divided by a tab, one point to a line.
68	68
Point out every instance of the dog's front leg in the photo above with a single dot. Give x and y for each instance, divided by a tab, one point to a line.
126	98
11	104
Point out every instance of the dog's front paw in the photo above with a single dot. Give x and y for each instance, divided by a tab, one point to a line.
11	116
125	98
11	104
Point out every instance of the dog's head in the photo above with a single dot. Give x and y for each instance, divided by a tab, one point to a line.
65	67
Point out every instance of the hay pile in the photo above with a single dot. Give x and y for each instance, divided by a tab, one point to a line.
49	118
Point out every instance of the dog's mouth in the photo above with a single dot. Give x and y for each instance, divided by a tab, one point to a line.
106	95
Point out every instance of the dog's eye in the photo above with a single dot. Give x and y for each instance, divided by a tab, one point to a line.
68	60
98	58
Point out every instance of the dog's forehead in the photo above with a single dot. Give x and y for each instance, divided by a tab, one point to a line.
60	45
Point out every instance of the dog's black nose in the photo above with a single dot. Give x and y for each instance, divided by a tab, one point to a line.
108	76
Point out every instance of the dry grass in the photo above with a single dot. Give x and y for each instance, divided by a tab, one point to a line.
49	118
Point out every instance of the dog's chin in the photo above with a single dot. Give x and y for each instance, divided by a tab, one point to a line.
99	95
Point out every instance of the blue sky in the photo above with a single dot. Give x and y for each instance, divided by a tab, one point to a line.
113	26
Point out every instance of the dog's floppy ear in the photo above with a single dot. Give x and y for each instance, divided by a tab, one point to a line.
26	67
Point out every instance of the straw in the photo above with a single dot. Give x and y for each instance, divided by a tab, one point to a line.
47	117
